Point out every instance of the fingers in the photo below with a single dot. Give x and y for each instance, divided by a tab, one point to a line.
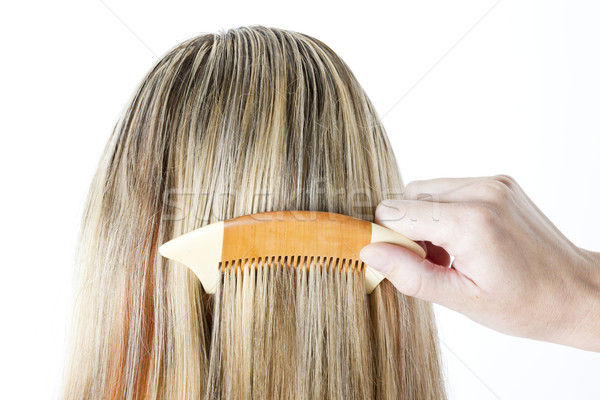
424	189
415	276
460	189
442	224
448	210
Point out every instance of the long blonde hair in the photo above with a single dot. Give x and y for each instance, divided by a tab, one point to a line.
247	120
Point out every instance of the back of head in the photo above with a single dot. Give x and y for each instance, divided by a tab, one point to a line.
248	120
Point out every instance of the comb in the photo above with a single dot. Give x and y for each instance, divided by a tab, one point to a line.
295	237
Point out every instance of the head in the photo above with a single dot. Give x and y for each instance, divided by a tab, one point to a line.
248	120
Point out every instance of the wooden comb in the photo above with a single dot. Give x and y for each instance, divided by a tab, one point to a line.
291	236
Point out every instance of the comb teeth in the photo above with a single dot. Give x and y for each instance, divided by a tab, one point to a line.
302	238
295	262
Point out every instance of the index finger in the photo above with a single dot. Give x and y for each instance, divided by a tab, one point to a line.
443	224
433	189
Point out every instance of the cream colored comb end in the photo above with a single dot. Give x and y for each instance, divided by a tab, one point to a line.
279	234
382	234
200	250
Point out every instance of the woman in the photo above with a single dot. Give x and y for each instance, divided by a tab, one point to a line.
249	120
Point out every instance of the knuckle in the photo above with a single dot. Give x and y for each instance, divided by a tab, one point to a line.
496	191
507	180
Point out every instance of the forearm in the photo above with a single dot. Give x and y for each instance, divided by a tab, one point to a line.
585	332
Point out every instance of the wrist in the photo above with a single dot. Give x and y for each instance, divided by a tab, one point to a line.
595	258
593	274
585	332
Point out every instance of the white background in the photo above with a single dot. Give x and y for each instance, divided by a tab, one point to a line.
515	92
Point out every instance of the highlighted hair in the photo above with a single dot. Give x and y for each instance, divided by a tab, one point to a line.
248	120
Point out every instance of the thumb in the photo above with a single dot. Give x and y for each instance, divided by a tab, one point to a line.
413	275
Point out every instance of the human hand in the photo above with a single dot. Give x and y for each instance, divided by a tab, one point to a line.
513	270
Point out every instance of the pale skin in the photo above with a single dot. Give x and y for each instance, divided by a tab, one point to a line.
513	270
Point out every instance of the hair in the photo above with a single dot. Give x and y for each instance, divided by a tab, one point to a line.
246	120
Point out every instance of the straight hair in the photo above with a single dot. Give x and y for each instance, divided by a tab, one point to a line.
246	120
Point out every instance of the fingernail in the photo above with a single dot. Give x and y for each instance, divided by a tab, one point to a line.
374	259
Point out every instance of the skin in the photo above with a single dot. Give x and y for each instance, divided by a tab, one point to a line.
513	270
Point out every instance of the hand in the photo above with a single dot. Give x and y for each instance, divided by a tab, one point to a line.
513	270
